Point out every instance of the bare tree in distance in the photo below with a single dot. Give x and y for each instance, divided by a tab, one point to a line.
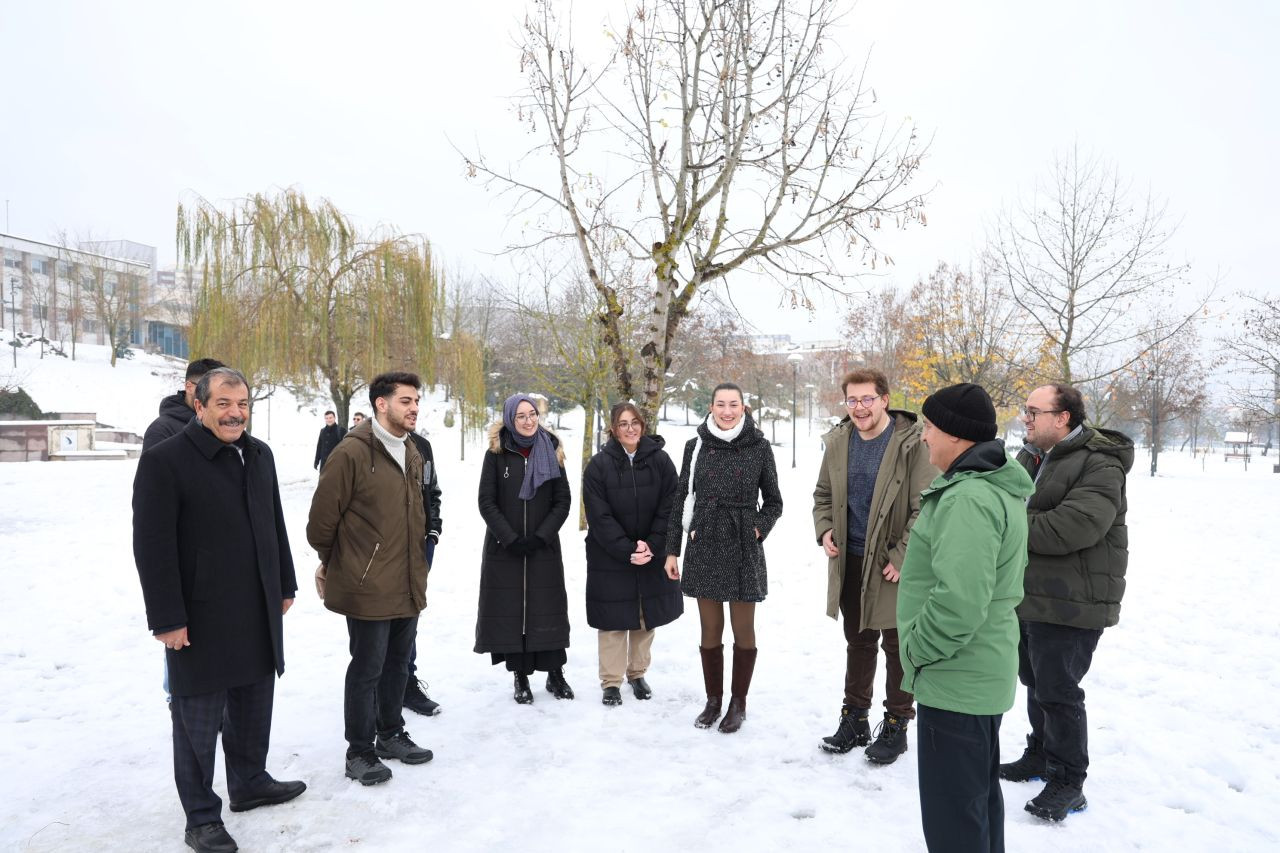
1087	260
1166	381
1252	351
718	138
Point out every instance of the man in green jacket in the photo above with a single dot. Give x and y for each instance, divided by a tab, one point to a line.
958	633
368	525
866	499
1078	548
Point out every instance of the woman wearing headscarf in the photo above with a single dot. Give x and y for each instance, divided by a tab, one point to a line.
627	489
524	499
726	472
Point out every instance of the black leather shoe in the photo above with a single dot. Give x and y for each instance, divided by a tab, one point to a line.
270	795
612	696
641	688
524	693
557	685
210	838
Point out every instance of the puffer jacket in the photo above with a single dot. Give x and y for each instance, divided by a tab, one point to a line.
1078	542
368	525
961	580
895	502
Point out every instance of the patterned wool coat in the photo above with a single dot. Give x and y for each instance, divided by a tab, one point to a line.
724	561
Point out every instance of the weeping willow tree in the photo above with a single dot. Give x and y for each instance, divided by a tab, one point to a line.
469	388
291	292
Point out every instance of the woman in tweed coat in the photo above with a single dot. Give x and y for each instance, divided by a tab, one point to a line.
727	469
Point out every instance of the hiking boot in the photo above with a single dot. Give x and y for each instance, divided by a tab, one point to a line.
1058	799
612	696
210	838
713	679
640	687
366	769
1032	766
890	742
417	700
402	748
744	664
557	686
854	730
524	694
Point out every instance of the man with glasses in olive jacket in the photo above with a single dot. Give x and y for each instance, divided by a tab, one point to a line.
1078	548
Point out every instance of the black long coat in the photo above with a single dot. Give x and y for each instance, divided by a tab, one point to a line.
174	415
213	555
626	501
523	605
330	435
724	561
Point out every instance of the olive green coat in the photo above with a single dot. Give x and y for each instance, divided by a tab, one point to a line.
895	502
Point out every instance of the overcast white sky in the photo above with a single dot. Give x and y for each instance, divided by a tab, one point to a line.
112	111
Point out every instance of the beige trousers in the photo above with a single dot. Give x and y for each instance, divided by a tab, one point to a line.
624	652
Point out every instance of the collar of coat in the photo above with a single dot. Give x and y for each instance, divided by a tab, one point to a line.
906	428
363	432
497	441
648	445
209	444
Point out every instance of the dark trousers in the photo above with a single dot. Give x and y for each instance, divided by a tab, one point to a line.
244	716
860	651
958	760
1052	661
376	677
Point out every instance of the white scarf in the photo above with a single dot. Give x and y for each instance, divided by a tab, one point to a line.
725	435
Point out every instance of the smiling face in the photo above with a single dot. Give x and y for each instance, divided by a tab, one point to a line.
628	427
227	413
727	408
944	448
871	418
1045	424
526	418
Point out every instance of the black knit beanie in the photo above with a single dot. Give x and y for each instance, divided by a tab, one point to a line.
963	410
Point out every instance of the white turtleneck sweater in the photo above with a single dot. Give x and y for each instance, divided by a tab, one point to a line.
394	446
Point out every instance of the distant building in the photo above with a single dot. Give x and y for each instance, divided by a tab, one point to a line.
46	289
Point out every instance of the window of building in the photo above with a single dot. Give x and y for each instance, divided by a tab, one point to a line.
39	266
13	262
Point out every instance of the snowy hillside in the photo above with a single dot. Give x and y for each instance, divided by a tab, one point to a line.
1182	695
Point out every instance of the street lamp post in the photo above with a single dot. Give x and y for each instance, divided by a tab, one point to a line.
795	358
13	309
808	388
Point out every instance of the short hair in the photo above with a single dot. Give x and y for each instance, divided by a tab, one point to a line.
384	384
618	410
330	412
728	386
359	415
227	375
1070	401
200	367
864	375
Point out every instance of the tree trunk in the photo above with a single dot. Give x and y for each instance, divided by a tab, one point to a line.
588	446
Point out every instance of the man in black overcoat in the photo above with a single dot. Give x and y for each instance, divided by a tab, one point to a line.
217	577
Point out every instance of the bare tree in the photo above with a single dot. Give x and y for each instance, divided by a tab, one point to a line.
1084	258
734	141
1167	380
1252	349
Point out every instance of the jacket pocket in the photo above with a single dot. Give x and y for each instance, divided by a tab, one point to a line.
369	565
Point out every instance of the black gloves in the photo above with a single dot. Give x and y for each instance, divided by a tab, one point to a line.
525	545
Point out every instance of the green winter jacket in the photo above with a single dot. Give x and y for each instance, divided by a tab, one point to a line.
961	580
1077	541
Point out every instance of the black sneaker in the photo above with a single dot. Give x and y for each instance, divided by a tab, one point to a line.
612	696
854	731
417	700
641	688
524	694
890	742
402	748
210	838
557	686
366	769
1032	766
1058	799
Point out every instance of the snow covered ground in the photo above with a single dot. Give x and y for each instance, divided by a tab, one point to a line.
1182	696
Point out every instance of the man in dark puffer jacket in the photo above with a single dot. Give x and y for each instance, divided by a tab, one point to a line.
1078	548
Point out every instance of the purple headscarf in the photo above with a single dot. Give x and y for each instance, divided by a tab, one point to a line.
543	464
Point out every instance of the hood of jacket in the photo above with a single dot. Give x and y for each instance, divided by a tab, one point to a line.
500	437
175	406
988	460
649	445
902	422
1096	439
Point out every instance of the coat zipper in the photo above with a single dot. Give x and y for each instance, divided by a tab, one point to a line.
369	565
524	591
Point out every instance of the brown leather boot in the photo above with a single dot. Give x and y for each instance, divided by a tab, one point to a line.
713	677
744	663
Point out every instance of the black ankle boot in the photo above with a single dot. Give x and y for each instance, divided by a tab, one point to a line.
854	730
1033	765
557	686
891	741
524	695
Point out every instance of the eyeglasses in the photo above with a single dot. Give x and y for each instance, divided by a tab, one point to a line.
532	417
867	401
628	425
1031	414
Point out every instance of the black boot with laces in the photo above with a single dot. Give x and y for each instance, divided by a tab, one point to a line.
557	686
891	741
524	694
1058	799
1033	765
854	731
417	700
